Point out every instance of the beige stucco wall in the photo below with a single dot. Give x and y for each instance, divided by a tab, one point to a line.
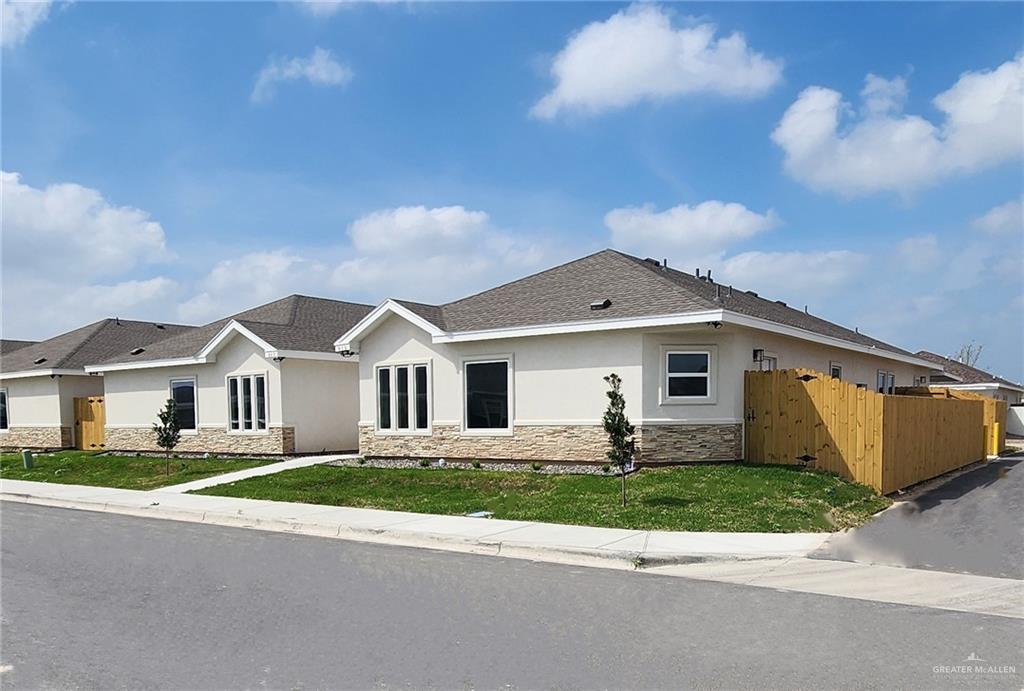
320	400
133	397
33	401
41	410
558	379
76	387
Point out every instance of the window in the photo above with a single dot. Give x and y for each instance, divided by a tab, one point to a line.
487	395
247	403
183	391
4	423
403	398
885	382
688	374
835	370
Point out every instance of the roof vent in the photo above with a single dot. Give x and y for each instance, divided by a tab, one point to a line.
781	302
750	292
39	361
137	351
652	260
601	305
159	326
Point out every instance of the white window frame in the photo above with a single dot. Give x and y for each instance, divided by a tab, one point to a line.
833	365
765	357
195	399
712	374
483	360
890	381
7	405
241	418
392	367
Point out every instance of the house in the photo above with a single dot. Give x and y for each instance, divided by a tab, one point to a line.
516	372
39	381
264	381
958	376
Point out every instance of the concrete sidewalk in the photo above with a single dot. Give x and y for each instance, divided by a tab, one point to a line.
613	547
268	469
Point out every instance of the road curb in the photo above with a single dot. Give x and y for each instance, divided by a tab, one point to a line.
630	560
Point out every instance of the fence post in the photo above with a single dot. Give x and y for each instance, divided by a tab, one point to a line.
995	438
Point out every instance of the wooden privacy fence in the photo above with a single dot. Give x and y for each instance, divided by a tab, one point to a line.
887	442
995	411
90	418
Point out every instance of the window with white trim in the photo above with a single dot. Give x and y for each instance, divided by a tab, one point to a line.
403	398
835	370
687	374
4	422
486	394
247	403
885	382
769	363
183	392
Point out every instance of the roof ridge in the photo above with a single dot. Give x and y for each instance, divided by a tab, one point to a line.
81	344
657	271
522	278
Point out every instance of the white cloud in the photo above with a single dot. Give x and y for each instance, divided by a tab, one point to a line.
416	228
319	69
322	8
919	253
252	279
684	232
1005	219
887	150
794	276
67	256
19	18
637	54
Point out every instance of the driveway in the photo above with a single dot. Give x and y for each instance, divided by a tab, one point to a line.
973	523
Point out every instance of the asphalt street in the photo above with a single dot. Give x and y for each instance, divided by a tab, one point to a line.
974	523
93	600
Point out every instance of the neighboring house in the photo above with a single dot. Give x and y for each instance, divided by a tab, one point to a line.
516	372
958	376
264	381
39	381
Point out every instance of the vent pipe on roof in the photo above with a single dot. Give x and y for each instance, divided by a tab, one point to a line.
806	311
709	276
664	263
117	320
730	291
718	292
697	273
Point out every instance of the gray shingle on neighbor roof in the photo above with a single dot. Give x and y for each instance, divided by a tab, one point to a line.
9	345
296	322
966	373
88	344
636	287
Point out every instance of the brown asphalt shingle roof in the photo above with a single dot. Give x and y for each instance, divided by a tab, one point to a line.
88	345
966	373
9	345
297	322
637	288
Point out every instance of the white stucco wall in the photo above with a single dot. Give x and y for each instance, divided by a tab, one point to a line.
76	387
558	379
33	402
321	401
133	397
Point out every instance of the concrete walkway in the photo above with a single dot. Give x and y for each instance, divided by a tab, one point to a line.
268	469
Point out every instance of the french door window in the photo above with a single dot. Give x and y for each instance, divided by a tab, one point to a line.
247	403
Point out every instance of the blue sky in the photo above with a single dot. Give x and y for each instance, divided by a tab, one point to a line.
430	150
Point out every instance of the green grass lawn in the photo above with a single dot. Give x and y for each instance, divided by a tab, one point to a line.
741	498
124	472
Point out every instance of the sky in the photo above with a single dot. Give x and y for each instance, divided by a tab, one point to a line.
182	161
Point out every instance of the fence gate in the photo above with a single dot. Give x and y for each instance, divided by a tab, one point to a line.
90	418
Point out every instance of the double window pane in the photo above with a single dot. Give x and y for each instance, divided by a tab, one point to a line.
688	375
487	395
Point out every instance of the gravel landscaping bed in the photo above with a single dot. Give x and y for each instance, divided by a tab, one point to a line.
543	468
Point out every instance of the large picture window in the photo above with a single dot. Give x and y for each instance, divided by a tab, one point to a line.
403	398
183	392
688	374
4	422
487	400
247	403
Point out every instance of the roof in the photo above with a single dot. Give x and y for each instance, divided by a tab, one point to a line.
965	373
296	322
87	344
8	345
636	287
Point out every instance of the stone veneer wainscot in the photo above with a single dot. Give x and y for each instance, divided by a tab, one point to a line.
36	438
276	441
655	444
